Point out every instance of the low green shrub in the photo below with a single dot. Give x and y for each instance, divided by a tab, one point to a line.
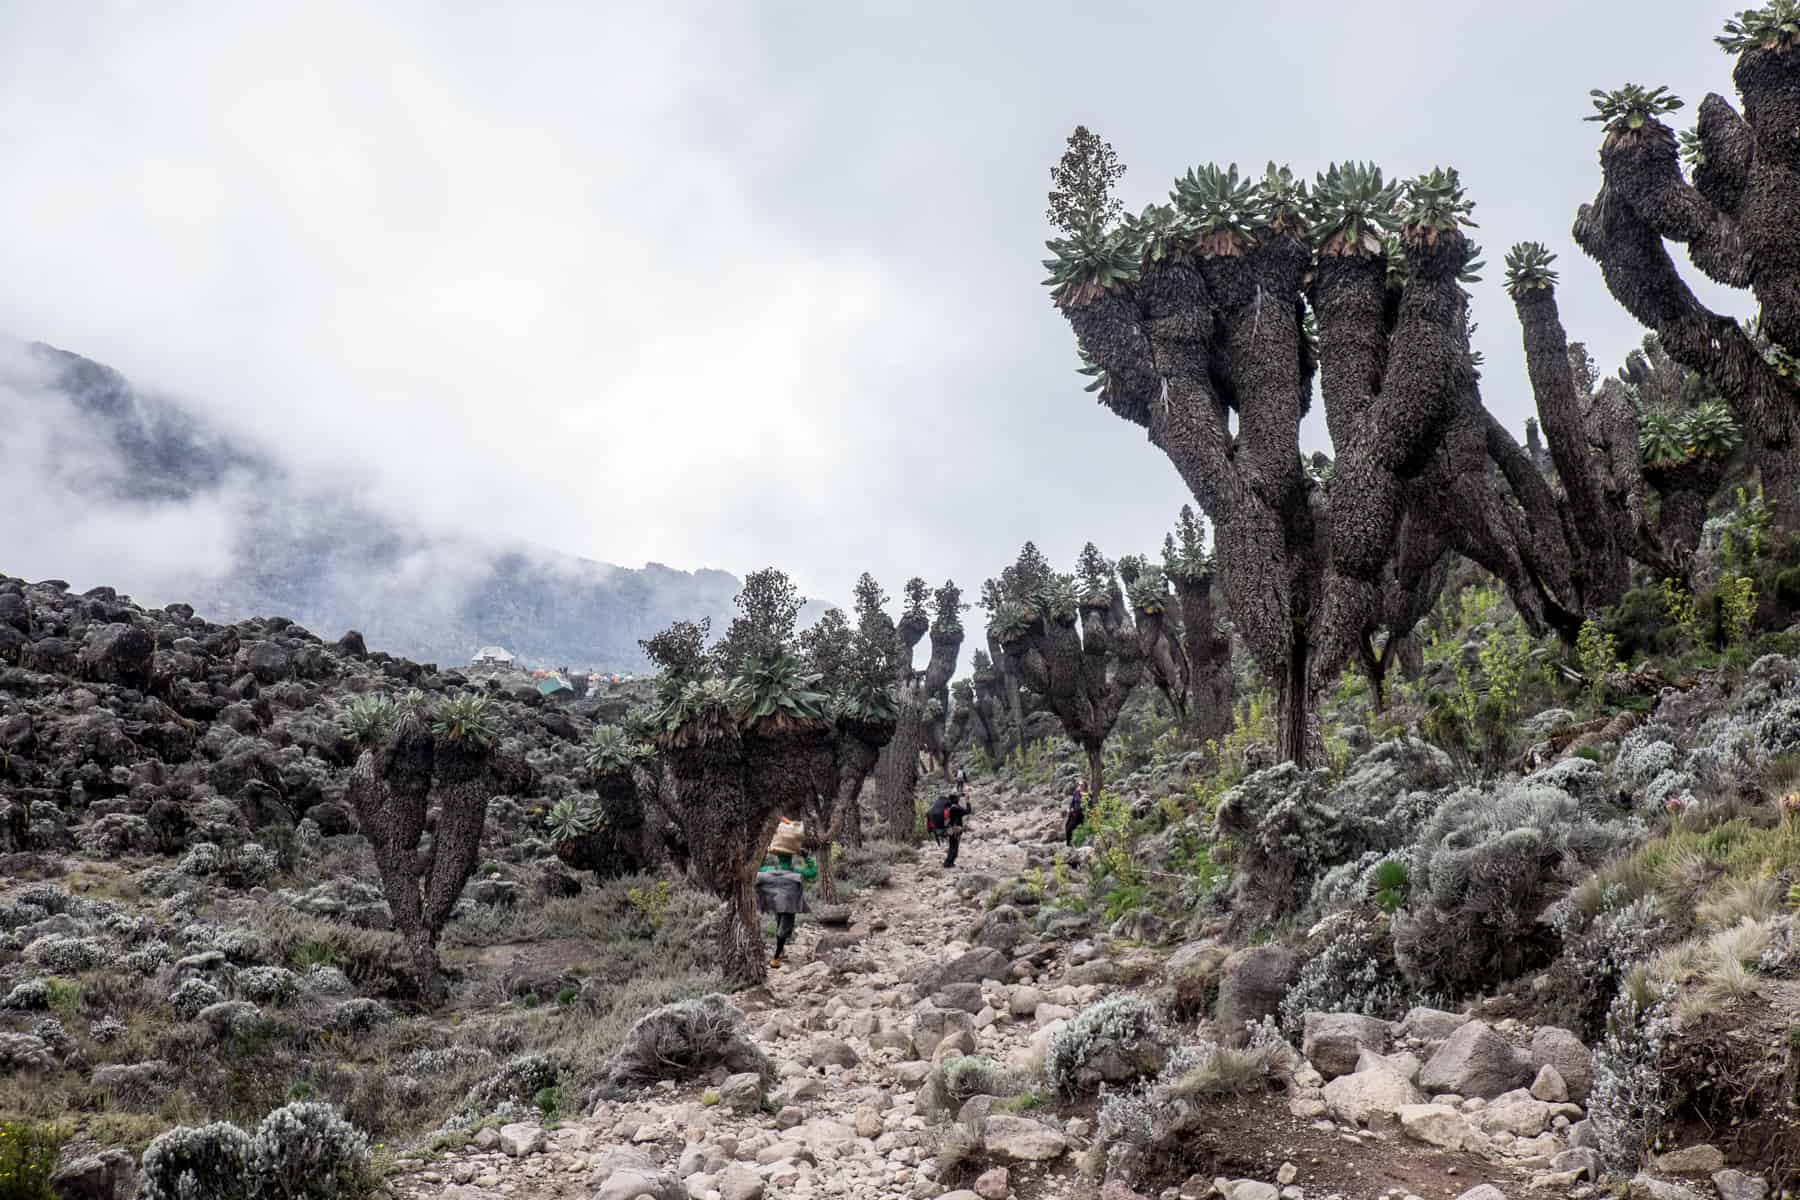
28	1153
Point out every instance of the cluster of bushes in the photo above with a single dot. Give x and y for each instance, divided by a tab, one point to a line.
299	1152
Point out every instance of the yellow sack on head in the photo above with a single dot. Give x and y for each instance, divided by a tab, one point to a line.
788	838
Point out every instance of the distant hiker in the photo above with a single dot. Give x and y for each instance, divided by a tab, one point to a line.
962	781
944	821
1078	813
781	885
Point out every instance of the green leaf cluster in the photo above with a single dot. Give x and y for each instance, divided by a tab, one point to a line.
610	750
1528	269
1774	26
1630	108
467	718
574	817
1149	592
1693	150
1705	431
1435	202
1222	209
1354	208
1184	551
1084	265
367	719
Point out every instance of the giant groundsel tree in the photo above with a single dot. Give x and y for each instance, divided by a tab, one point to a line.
1072	640
1735	212
1207	318
415	759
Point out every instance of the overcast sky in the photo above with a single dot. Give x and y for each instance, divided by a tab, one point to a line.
731	285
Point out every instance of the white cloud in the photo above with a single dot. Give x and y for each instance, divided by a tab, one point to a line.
726	285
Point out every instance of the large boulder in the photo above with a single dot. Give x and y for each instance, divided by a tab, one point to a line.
1554	1047
1476	1061
1374	1092
983	962
109	1175
1251	985
1333	1041
119	654
1438	1125
1430	1024
1010	1139
631	1175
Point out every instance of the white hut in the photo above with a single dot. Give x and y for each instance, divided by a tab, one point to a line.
493	658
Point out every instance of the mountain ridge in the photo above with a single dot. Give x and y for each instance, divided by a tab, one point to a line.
284	544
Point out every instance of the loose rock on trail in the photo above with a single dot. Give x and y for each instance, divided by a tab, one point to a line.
856	1022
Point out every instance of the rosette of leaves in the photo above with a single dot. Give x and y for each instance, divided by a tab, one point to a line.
611	751
367	719
1528	269
1156	233
1353	209
778	688
1010	621
1149	592
1631	108
1708	431
1391	881
1659	441
1434	203
1223	209
872	705
1057	599
1094	579
1184	551
466	718
699	710
573	818
1774	26
1086	264
1285	205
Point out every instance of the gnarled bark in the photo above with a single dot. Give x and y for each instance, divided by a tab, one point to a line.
1198	338
1737	221
391	788
898	770
1085	664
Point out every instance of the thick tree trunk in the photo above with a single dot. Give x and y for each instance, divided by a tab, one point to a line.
1779	469
897	773
743	956
1293	709
421	946
1210	685
1095	767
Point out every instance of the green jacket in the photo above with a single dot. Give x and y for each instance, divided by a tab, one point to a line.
808	870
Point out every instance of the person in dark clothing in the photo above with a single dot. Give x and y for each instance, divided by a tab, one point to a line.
781	890
945	822
1078	806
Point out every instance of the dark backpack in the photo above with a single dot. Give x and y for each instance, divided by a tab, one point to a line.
941	816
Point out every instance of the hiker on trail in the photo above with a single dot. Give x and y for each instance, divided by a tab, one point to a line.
781	885
1078	812
945	820
962	781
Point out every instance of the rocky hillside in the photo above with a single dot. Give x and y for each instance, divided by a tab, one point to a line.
93	458
1225	989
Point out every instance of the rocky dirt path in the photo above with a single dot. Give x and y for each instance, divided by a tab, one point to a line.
861	1014
839	1022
